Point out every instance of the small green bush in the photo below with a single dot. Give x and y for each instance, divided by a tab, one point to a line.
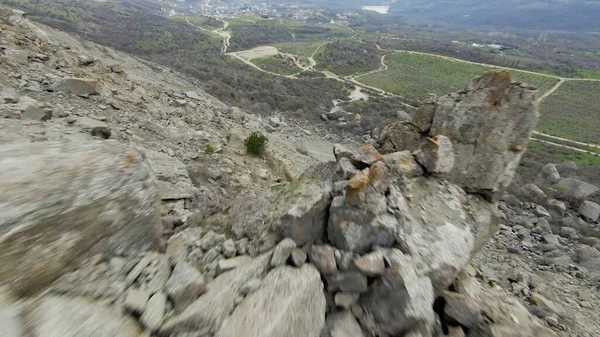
228	138
255	143
209	149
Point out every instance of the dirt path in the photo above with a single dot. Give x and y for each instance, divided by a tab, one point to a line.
222	32
565	146
595	146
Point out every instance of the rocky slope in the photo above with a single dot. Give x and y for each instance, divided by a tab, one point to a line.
117	219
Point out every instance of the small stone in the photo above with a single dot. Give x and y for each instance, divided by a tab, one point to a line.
546	305
568	232
250	286
550	238
193	95
185	285
343	324
9	96
158	274
436	155
102	132
353	282
589	210
346	300
115	105
282	252
116	68
135	300
541	212
323	257
78	86
36	113
403	164
298	257
242	246
517	275
229	264
137	270
371	264
462	309
455	331
590	241
212	255
229	249
154	315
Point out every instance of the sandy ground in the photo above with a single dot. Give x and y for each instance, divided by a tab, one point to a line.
258	52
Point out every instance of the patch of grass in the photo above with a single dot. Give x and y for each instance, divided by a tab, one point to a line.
413	75
538	154
247	35
205	22
277	64
305	49
572	112
349	56
588	73
209	149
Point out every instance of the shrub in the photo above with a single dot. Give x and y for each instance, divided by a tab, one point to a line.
228	138
209	149
255	143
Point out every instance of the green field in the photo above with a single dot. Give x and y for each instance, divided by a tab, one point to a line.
205	22
300	48
349	56
538	154
413	75
588	73
277	64
573	112
247	35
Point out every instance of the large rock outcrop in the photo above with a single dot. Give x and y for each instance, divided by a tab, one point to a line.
489	125
61	202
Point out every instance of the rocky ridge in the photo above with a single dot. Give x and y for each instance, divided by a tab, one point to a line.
377	243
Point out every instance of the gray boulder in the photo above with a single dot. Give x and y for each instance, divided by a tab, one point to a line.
185	285
335	113
209	311
489	125
289	303
436	155
78	86
76	317
574	191
556	208
549	175
567	169
398	302
342	324
399	136
589	210
62	202
305	219
532	193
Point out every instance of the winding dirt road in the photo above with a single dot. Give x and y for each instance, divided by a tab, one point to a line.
353	79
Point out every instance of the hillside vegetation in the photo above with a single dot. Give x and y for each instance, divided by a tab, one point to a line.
247	35
573	112
183	47
349	56
277	64
305	49
413	75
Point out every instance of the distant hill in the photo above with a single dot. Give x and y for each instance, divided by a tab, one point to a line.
334	3
572	15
